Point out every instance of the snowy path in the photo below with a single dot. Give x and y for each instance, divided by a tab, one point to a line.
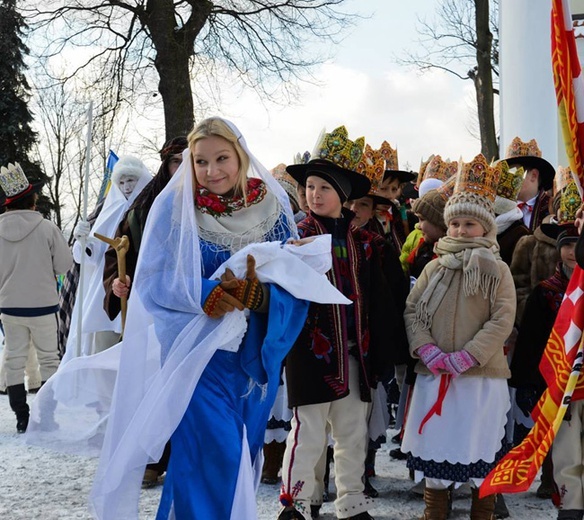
36	484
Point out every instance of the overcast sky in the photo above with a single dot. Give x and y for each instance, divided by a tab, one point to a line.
365	89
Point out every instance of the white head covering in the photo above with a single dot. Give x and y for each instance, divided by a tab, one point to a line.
95	318
167	343
429	184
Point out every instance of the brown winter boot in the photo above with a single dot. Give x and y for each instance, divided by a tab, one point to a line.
482	508
273	455
436	501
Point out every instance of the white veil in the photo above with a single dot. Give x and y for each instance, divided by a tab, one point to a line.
167	344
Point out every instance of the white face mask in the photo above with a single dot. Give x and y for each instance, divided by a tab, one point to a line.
127	184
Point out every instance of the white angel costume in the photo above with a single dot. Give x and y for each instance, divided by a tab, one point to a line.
94	319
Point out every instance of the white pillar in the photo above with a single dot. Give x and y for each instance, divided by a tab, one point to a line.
528	107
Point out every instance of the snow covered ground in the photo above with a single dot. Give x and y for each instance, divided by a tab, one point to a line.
38	484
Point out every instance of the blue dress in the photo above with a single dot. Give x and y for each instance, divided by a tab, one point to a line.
232	399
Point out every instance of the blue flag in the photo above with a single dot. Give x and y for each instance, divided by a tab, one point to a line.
112	159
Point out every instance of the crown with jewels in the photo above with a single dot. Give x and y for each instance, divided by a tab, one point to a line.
447	189
479	178
570	201
518	148
339	149
280	174
13	180
562	179
390	156
510	181
422	170
372	164
439	169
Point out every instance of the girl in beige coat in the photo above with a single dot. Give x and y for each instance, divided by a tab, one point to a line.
458	316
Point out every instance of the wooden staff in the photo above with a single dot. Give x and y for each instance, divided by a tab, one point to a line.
121	245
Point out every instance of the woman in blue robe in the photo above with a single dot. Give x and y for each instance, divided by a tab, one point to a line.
192	366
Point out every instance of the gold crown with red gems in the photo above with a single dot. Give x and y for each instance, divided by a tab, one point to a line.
390	156
510	181
478	177
447	189
337	148
439	169
518	148
422	170
372	164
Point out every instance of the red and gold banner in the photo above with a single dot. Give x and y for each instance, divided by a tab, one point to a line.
561	366
569	86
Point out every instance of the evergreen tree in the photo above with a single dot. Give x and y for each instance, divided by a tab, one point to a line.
16	134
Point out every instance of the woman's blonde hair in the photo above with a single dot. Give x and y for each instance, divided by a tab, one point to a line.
215	126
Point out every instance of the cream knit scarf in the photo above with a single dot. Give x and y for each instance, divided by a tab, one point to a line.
477	257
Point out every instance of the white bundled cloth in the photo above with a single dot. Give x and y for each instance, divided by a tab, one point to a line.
155	381
94	317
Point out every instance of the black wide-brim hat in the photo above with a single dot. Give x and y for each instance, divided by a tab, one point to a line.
377	199
360	185
553	230
546	170
32	188
401	175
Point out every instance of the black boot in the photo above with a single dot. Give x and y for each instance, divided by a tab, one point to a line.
17	400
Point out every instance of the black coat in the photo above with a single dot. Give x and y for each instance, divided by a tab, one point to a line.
317	365
538	320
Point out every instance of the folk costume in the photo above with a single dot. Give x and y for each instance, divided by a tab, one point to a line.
207	383
536	256
509	218
341	351
390	215
528	155
458	314
98	331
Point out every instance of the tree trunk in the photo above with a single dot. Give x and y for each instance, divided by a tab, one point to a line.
483	80
174	46
177	96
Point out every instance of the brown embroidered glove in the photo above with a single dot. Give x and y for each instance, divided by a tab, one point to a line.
249	291
219	303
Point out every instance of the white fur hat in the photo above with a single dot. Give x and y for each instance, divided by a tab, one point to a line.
131	166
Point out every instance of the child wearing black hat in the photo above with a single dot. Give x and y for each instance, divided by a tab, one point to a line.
339	354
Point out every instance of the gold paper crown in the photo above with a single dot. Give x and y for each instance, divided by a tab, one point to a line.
562	179
518	148
439	169
390	156
280	174
422	170
13	180
478	177
570	201
372	164
447	189
339	149
510	181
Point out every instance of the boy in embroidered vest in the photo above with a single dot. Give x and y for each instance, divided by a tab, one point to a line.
458	315
340	353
